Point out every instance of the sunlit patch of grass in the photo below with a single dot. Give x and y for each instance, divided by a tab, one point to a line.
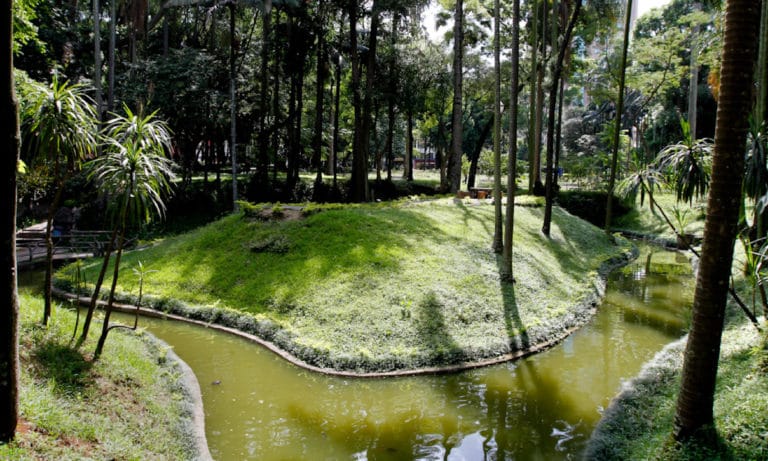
127	405
374	286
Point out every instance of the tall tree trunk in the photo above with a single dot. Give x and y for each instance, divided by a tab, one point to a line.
370	77
498	228
389	151
762	80
276	101
532	174
317	159
693	82
233	104
97	57
558	71
475	155
336	102
48	298
262	170
9	308
111	53
507	272
694	415
408	164
359	187
558	135
617	128
457	129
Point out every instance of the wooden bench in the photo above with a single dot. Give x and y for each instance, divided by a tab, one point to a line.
480	192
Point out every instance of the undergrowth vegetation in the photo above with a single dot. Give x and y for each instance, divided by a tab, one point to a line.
128	405
375	287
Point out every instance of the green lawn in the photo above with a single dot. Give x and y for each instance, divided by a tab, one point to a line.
128	405
380	287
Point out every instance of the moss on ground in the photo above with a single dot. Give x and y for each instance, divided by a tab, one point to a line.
130	404
380	287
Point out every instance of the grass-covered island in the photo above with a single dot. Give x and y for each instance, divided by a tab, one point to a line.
135	402
381	287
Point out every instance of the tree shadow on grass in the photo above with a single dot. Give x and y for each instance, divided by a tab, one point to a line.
517	332
64	365
432	328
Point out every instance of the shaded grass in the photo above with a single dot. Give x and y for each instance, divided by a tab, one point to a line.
128	405
380	287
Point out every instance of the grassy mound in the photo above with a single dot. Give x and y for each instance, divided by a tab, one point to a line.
128	405
379	287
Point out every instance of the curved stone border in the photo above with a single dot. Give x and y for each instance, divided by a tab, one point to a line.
195	400
187	380
583	311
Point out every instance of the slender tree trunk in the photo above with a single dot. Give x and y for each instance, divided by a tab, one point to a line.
317	160
113	288
475	155
532	175
97	287
97	58
276	102
558	71
233	104
389	152
498	227
361	160
694	416
48	301
558	135
457	129
617	128
762	80
359	187
336	102
693	83
263	137
9	308
111	53
507	272
408	164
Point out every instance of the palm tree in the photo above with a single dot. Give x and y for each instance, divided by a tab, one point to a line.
136	175
9	307
689	164
694	415
59	126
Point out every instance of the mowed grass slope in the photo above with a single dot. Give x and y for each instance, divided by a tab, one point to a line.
381	287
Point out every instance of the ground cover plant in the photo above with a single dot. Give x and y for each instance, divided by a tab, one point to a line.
128	405
379	287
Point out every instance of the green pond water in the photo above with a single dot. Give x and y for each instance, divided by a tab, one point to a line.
543	407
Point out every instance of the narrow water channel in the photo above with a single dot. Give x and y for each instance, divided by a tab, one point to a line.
544	407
